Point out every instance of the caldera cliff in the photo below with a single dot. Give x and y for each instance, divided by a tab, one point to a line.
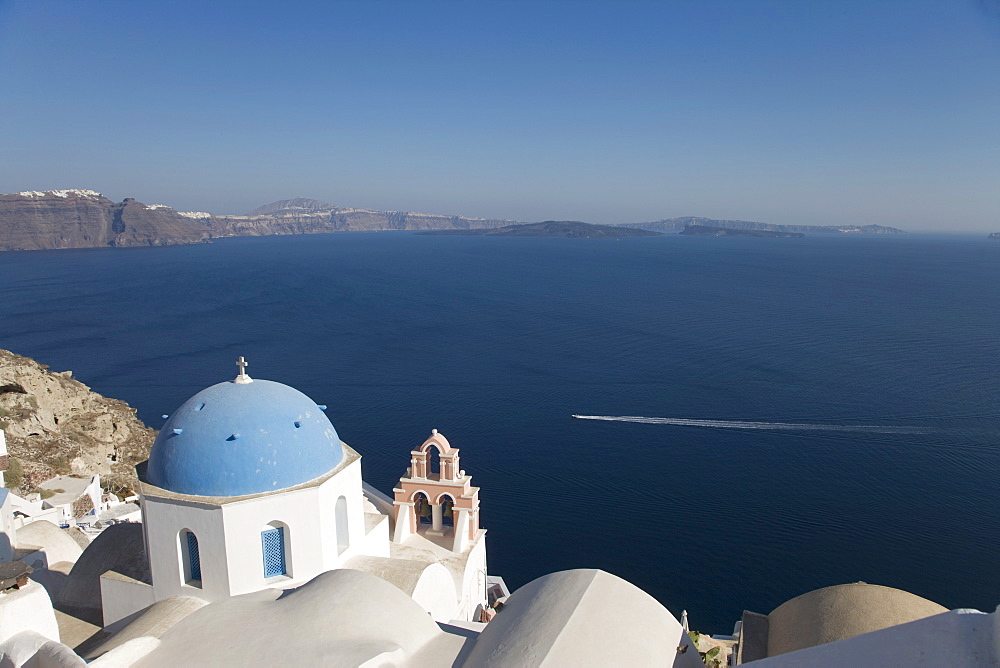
36	220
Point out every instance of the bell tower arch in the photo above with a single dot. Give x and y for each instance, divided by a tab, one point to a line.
438	502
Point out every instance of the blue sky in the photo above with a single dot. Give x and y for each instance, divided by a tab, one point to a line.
789	112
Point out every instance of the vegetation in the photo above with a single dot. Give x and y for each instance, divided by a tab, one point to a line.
61	464
712	657
15	473
119	485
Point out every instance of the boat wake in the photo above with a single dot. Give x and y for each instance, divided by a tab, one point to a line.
746	424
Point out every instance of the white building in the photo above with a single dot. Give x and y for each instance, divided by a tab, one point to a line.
249	487
75	499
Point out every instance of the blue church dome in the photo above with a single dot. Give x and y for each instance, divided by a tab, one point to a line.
243	437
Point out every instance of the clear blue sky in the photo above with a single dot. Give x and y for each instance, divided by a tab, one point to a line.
803	111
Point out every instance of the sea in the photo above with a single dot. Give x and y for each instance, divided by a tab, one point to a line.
763	417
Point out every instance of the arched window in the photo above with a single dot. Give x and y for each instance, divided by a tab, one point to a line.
343	535
422	508
190	558
433	462
273	540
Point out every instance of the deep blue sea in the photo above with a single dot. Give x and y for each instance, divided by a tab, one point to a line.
849	388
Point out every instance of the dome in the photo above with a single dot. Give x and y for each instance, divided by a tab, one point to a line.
842	611
237	438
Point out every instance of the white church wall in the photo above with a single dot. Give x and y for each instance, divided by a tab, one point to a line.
473	583
163	520
298	512
311	538
122	597
229	537
376	541
347	483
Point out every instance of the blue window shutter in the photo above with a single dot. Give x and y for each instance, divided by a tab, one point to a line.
194	557
273	542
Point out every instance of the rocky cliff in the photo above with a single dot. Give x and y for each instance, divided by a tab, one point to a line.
678	224
35	220
309	216
55	424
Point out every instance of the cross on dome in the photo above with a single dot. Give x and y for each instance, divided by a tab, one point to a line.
243	378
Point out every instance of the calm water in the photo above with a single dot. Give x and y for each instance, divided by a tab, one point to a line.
879	357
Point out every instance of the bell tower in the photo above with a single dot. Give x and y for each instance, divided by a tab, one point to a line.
436	501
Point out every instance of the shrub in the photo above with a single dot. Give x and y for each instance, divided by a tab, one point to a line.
15	473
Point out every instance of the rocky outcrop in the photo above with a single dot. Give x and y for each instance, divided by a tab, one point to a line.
678	224
36	220
55	424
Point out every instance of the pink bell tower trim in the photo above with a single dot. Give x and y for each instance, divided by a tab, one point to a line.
436	503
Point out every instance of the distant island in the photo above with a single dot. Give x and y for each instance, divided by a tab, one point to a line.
77	218
678	224
708	231
556	228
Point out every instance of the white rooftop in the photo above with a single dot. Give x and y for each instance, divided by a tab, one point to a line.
67	489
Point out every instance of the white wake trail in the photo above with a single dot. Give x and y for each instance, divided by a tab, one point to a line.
747	424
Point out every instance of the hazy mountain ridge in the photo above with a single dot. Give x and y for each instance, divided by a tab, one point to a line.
309	216
709	231
287	205
678	224
572	229
52	219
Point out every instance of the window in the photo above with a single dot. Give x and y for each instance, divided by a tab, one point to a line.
190	558
194	557
273	541
343	537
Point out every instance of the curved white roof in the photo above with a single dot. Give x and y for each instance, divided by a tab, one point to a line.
582	618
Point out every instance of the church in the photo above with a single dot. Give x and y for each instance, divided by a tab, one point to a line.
248	486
